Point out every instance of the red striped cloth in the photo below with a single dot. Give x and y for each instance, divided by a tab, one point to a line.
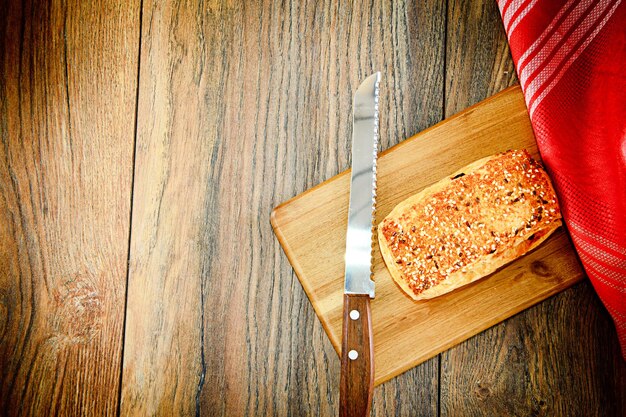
570	58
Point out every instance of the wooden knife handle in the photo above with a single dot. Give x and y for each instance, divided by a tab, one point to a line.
357	357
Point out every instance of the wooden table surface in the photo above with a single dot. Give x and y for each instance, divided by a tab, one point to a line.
144	145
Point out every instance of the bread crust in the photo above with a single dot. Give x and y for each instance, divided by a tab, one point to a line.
469	224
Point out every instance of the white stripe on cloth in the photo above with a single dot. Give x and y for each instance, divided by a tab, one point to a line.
519	18
502	4
602	256
511	10
547	32
597	238
606	273
570	61
555	40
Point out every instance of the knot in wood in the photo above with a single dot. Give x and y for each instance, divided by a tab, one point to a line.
541	269
79	311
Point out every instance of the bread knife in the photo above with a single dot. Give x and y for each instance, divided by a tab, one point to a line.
357	347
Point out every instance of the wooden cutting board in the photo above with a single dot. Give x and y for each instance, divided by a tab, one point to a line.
312	228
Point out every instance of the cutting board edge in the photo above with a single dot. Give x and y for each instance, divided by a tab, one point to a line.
479	329
277	224
298	270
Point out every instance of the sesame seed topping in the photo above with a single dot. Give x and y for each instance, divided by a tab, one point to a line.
508	198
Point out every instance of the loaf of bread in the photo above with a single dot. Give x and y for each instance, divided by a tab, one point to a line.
469	224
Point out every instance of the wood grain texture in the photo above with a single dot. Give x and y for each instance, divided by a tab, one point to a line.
68	74
164	364
478	60
560	358
241	106
311	228
557	359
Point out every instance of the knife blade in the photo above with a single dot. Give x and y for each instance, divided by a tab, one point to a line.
357	348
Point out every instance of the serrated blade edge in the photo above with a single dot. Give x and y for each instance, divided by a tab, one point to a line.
359	238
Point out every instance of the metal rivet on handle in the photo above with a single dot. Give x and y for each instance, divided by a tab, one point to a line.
354	315
353	354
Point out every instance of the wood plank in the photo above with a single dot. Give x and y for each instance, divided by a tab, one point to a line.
164	361
68	74
560	358
413	34
243	105
473	76
311	228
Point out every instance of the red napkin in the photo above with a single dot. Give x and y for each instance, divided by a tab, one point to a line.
570	58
